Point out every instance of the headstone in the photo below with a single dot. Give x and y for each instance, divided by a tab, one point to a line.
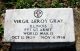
39	28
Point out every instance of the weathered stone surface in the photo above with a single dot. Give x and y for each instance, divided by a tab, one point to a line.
29	25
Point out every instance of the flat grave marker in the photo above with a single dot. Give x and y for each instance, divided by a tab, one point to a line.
39	25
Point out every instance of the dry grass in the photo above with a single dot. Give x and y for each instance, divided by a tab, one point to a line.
77	27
